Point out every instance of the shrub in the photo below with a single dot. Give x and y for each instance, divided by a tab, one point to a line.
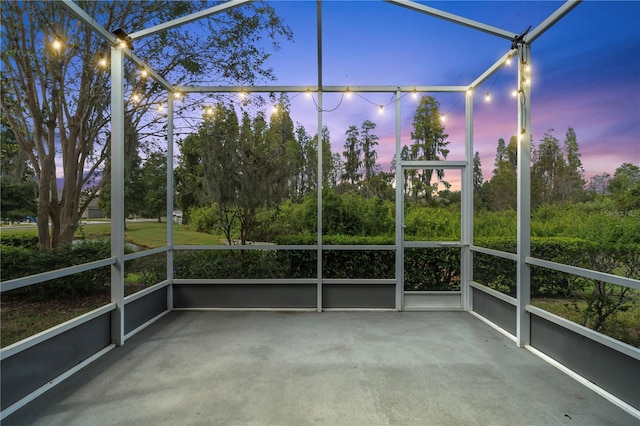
20	262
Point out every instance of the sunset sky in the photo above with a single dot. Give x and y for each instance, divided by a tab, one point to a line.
586	72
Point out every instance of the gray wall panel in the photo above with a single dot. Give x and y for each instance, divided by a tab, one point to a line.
611	370
32	368
374	296
145	308
498	311
244	296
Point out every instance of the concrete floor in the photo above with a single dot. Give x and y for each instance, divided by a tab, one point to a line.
334	368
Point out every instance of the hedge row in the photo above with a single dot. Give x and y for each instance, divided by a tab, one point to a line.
425	268
19	262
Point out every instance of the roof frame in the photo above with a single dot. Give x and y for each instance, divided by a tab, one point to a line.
563	10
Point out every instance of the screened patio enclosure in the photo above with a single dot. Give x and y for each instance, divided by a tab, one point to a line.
612	368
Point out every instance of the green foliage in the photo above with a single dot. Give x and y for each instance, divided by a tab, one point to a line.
22	261
147	270
24	241
243	264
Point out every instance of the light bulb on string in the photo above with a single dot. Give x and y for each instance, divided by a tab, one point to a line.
144	73
443	118
508	61
309	93
177	95
487	97
514	93
160	108
348	92
380	109
135	97
242	94
208	111
415	94
56	45
102	62
274	110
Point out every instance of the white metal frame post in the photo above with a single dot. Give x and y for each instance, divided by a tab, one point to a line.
399	211
523	321
117	193
170	107
467	207
320	173
320	177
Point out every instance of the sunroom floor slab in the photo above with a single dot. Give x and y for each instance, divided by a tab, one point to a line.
330	368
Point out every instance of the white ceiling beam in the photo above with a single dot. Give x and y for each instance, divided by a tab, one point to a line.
551	20
455	18
186	19
493	68
328	89
79	13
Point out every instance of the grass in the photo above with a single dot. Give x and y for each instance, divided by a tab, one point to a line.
21	317
143	234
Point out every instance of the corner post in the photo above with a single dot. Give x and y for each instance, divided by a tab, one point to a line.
399	211
170	201
117	193
523	321
467	208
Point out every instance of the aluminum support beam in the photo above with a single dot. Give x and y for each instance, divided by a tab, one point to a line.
170	109
76	11
493	68
117	193
326	89
467	207
455	18
523	321
320	172
399	212
551	20
187	19
320	177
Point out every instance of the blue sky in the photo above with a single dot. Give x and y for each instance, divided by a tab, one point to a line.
586	71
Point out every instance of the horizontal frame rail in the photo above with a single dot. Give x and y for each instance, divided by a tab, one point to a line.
144	253
240	281
497	253
58	273
139	294
585	273
315	88
504	297
246	247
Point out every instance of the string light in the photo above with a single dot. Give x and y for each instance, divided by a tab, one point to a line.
135	97
243	94
208	110
415	93
274	110
103	62
160	108
309	93
381	109
487	97
514	93
443	118
508	61
57	45
348	92
144	73
177	95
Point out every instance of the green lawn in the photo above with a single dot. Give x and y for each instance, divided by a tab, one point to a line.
143	234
